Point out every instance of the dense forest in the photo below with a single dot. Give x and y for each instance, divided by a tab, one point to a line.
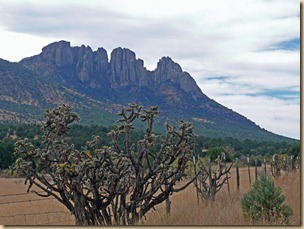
80	134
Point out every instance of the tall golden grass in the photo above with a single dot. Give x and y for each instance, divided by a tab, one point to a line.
185	210
226	210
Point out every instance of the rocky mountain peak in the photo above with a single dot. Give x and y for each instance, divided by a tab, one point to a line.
84	67
168	71
57	45
125	69
58	53
71	63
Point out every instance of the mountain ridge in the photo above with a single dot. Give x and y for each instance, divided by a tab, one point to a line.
93	68
77	75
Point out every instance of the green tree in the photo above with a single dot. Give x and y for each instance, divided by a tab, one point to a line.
294	150
265	203
6	153
214	152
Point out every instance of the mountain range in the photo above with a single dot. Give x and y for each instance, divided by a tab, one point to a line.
98	86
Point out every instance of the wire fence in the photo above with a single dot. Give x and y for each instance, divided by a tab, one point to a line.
22	208
29	209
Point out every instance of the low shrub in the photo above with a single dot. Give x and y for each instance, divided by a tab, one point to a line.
264	203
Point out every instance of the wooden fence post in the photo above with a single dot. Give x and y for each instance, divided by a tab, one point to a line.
168	202
237	174
273	166
298	162
285	164
256	169
248	165
211	183
293	167
223	157
209	171
195	174
200	183
265	166
276	166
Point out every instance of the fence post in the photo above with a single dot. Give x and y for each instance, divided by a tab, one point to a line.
256	169
195	174
168	202
199	160
237	174
209	171
168	206
273	166
285	164
298	162
265	166
248	165
277	169
224	159
292	163
211	185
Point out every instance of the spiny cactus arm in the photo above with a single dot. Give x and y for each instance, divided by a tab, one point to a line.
223	171
149	138
42	179
50	192
113	134
154	201
185	185
220	184
31	169
166	156
148	116
152	186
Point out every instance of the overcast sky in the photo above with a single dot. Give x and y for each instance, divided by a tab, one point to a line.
244	54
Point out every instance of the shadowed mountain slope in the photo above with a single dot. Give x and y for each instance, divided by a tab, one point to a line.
97	86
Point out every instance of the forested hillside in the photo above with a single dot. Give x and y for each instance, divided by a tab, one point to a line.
80	134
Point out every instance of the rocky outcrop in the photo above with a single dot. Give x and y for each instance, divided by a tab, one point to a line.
126	70
72	63
92	69
58	53
169	72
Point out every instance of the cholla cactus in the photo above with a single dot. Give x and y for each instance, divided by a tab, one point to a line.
211	181
109	185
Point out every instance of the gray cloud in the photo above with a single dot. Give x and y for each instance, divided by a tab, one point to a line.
208	41
85	23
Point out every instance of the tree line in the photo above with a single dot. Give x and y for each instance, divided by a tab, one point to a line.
79	134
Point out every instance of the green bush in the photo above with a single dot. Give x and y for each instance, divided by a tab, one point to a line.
264	203
295	150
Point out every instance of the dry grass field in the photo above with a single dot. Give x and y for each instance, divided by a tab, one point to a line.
226	210
19	208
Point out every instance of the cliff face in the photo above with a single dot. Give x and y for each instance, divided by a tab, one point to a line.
71	65
123	79
90	69
169	72
126	70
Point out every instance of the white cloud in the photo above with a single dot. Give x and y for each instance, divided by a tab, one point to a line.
207	38
15	46
272	114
